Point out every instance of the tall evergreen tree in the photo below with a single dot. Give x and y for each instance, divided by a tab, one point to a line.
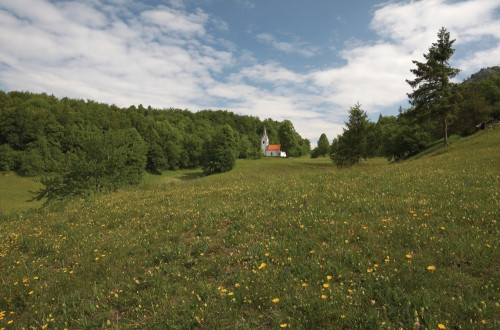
433	95
348	148
323	145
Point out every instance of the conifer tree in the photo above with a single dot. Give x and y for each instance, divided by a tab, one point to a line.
323	145
433	95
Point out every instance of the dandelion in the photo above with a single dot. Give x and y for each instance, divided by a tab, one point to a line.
326	285
237	285
323	296
284	325
230	293
431	268
304	284
408	256
31	292
329	277
276	300
346	241
441	326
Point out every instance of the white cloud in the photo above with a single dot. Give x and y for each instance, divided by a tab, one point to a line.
295	47
175	21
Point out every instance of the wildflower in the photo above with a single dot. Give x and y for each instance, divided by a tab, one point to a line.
230	293
284	325
267	254
262	265
237	285
304	284
441	326
408	256
326	285
323	296
276	300
329	277
342	316
431	268
346	241
31	292
311	252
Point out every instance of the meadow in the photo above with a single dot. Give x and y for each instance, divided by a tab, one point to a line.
275	243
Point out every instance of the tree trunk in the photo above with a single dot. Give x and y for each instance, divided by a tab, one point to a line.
445	133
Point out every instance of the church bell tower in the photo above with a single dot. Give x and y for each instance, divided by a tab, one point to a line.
264	141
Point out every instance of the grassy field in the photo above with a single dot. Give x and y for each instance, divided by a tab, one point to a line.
14	193
275	243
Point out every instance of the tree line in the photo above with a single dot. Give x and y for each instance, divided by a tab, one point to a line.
85	145
438	108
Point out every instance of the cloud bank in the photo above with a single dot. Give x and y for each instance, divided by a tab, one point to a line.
125	52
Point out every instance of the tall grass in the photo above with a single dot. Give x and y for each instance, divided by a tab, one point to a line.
274	243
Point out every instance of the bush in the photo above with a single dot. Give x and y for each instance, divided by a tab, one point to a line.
104	162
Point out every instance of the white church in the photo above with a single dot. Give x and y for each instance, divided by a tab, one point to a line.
270	150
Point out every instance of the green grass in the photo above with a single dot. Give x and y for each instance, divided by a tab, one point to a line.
14	192
293	242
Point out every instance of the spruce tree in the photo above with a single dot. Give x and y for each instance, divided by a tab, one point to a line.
323	145
433	95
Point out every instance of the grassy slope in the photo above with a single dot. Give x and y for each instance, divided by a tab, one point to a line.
292	242
14	192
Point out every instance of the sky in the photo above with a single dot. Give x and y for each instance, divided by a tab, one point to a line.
305	61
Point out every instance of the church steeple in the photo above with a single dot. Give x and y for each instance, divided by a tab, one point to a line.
264	141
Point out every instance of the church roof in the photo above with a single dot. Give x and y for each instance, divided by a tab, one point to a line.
274	147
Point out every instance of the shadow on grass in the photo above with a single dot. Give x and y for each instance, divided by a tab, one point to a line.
191	176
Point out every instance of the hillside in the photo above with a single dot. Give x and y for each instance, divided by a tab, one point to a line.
483	74
274	243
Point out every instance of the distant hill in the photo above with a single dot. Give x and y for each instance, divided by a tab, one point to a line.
483	74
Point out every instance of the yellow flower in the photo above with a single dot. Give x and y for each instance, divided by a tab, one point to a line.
431	268
342	316
230	293
441	326
323	296
329	277
31	292
311	252
276	300
284	325
326	285
262	265
304	284
408	256
237	285
346	241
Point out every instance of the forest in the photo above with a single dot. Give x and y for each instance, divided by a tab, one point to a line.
82	145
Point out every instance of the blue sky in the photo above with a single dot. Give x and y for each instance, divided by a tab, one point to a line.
306	61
